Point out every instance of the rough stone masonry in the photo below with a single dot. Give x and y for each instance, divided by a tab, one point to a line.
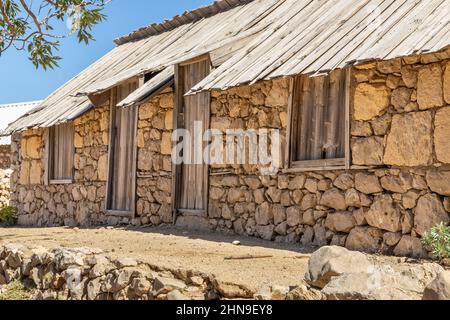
397	189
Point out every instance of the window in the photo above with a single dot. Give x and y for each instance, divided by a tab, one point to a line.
61	152
319	121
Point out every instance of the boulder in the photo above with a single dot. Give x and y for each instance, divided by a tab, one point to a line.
340	222
409	143
364	239
428	213
384	214
410	247
439	289
334	199
382	282
329	262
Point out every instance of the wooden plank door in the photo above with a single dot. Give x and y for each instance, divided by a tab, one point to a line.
193	184
122	162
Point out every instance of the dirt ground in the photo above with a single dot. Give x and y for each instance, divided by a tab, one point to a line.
176	249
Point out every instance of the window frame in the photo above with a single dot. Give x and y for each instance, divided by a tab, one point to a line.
50	180
292	165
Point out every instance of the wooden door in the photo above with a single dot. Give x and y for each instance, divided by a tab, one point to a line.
193	184
122	162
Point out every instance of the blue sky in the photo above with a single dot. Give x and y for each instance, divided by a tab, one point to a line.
20	81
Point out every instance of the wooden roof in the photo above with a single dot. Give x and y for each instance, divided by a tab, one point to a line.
249	41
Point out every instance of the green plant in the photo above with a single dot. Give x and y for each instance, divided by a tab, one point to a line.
437	240
15	291
8	215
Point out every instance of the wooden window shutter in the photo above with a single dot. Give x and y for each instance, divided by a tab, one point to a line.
61	151
318	120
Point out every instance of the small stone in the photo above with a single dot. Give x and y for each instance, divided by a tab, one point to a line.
236	243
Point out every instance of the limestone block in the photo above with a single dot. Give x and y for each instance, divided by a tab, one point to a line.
78	140
367	151
35	172
409	142
166	143
430	87
447	82
442	133
371	100
102	167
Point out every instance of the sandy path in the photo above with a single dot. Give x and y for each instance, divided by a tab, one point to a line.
175	249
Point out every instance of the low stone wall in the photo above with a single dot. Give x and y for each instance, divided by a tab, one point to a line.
5	156
5	192
89	274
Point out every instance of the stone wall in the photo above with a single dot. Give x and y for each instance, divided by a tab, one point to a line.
397	189
90	274
80	202
5	156
5	177
154	165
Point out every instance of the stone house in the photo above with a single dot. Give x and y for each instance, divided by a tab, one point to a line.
8	114
360	95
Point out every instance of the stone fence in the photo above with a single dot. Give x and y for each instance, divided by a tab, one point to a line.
4	187
89	274
5	156
334	273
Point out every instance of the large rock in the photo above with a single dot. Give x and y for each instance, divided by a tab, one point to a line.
447	83
429	87
384	214
344	182
382	282
409	143
367	151
371	100
410	247
439	181
442	133
397	184
340	222
428	213
232	291
367	184
168	284
439	289
334	199
329	262
366	239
